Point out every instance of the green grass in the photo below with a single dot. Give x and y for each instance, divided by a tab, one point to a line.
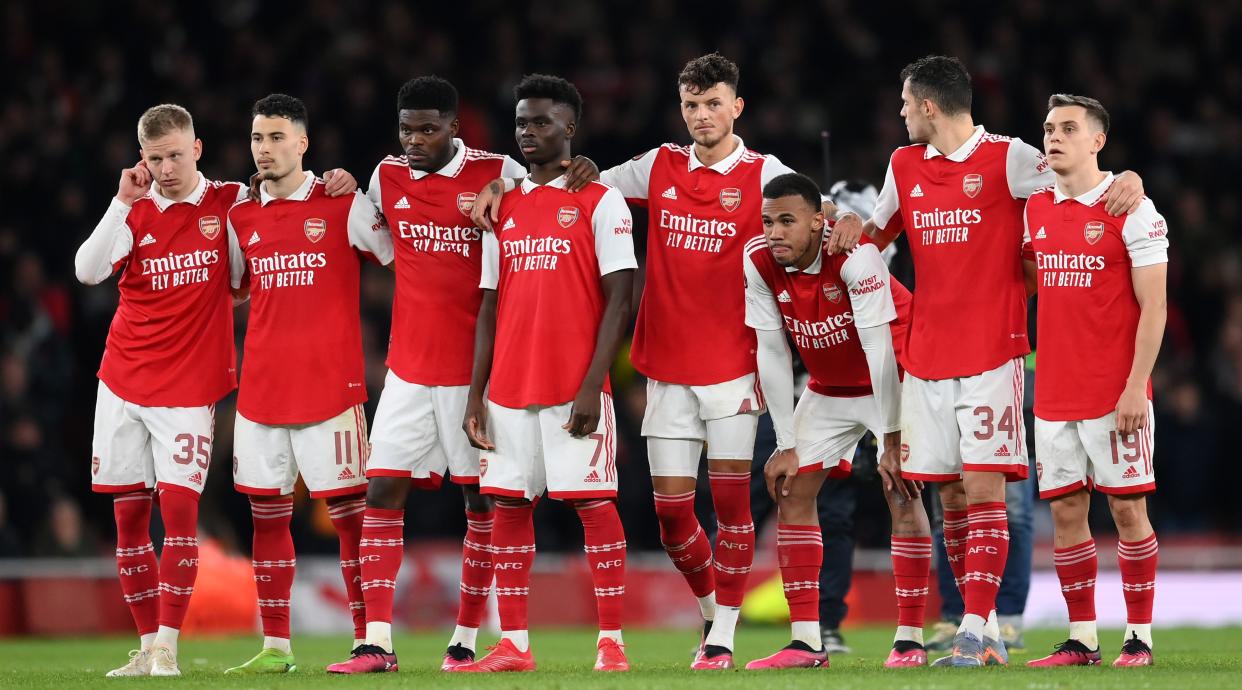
1186	659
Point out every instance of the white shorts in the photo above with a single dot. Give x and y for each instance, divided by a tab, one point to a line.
973	423
1090	453
534	453
724	415
330	455
827	431
418	434
136	447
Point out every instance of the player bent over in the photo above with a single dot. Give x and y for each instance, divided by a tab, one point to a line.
1101	283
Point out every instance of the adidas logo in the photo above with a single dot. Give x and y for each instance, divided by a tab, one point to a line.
784	296
402	203
916	192
346	474
147	240
509	225
1040	234
253	238
670	193
1001	452
197	478
1130	473
594	477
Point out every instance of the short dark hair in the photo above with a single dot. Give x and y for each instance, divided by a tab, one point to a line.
1095	109
428	93
941	80
706	71
281	105
547	86
793	184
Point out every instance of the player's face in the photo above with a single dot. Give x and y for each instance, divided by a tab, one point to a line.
277	144
1070	138
709	115
793	230
914	113
173	162
543	128
426	137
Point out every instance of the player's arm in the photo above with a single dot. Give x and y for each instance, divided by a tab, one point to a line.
884	226
1030	272
475	421
1147	245
111	240
368	231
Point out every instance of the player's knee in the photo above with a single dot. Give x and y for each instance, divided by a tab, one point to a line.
1129	512
953	496
797	509
908	516
476	502
388	493
1070	512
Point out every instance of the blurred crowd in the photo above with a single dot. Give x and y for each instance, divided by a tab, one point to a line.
67	127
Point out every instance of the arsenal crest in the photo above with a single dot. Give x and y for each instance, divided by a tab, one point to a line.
730	198
95	465
972	184
567	216
1093	231
209	226
482	466
465	202
1039	470
833	293
315	229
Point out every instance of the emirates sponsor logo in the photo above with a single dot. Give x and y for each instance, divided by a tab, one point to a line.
972	184
209	226
566	216
315	229
832	292
171	263
730	198
465	202
287	262
147	240
1093	231
938	218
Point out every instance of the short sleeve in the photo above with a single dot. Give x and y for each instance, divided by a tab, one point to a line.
1026	169
888	204
368	233
1146	236
866	278
772	167
511	168
761	311
1028	248
373	190
614	234
237	259
632	177
489	277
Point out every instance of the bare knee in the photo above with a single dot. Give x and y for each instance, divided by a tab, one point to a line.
984	487
909	519
1129	514
1069	513
953	496
388	493
476	502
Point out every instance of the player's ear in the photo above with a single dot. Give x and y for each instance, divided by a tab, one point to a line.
454	126
570	128
817	223
1100	139
198	149
303	144
738	105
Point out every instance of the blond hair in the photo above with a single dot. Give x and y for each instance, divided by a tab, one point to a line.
162	119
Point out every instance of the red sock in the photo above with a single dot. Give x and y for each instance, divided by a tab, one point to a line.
1137	560
273	560
911	561
605	551
987	547
735	542
513	552
955	527
380	549
476	569
685	542
135	559
800	552
347	517
1077	567
179	558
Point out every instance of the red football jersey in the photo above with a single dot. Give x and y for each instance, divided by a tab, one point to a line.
822	307
691	326
962	214
545	263
302	361
1088	314
171	340
438	254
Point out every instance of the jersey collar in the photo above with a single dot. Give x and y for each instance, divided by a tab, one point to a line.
1090	197
196	197
528	184
724	165
302	193
451	168
963	152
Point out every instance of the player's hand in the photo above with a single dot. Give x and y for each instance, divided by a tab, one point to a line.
253	193
486	209
579	172
584	414
779	472
1125	194
134	183
475	424
338	182
890	474
1132	410
845	234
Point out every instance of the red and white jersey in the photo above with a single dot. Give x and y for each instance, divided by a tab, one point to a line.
962	214
691	327
301	256
1088	313
545	262
438	254
171	341
822	307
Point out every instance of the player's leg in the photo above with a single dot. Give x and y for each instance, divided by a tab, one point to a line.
910	547
1016	580
1076	565
837	502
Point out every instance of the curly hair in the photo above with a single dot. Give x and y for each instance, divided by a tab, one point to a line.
428	93
548	86
704	72
281	105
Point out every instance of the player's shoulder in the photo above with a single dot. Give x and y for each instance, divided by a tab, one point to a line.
1045	193
1145	216
751	156
668	149
394	161
909	153
595	191
994	138
473	154
755	244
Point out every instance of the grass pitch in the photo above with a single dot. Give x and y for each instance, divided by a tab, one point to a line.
1185	659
